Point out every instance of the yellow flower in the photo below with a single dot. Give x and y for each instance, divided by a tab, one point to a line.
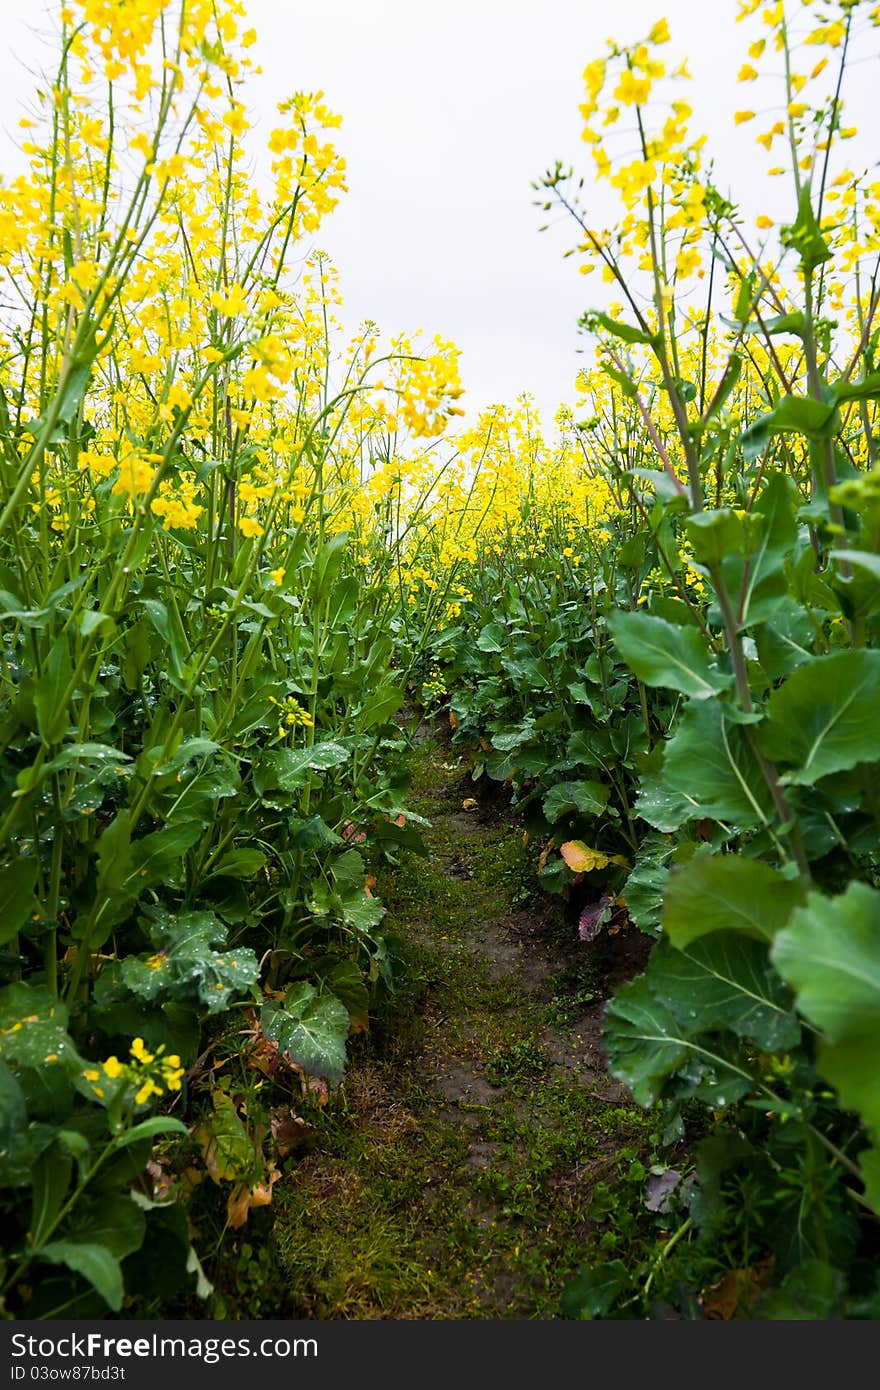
277	576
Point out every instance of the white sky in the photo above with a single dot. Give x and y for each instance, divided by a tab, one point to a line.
451	109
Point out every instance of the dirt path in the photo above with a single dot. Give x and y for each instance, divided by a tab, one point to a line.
472	1161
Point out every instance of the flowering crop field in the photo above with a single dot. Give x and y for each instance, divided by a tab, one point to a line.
244	550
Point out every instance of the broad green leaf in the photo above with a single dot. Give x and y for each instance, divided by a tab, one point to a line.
643	1040
380	705
861	591
312	834
148	1129
288	768
757	575
665	654
348	870
666	810
185	966
362	912
715	534
112	1220
239	863
726	981
869	1162
494	637
593	1289
50	1182
625	331
867	388
311	1029
726	892
328	563
785	641
227	1148
17	902
647	1043
804	235
94	1262
16	1162
643	892
346	981
792	415
53	716
33	1028
590	798
830	954
825	717
709	760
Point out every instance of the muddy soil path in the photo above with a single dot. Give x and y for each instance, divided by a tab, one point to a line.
457	1176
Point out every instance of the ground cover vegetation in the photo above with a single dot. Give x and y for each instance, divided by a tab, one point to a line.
243	551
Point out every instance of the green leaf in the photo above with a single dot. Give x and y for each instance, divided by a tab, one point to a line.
50	1182
715	534
239	863
729	379
33	1028
185	967
665	654
589	798
830	954
709	760
650	1037
348	870
666	810
311	1029
593	1290
825	717
53	716
494	637
758	574
94	1262
328	563
312	834
112	1221
726	981
643	1040
866	389
791	415
726	892
804	235
148	1129
288	768
625	331
15	1148
17	902
227	1147
380	705
779	323
644	889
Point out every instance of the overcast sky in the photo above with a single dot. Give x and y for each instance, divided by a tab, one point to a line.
450	110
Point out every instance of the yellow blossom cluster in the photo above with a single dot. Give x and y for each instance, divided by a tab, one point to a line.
145	1075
